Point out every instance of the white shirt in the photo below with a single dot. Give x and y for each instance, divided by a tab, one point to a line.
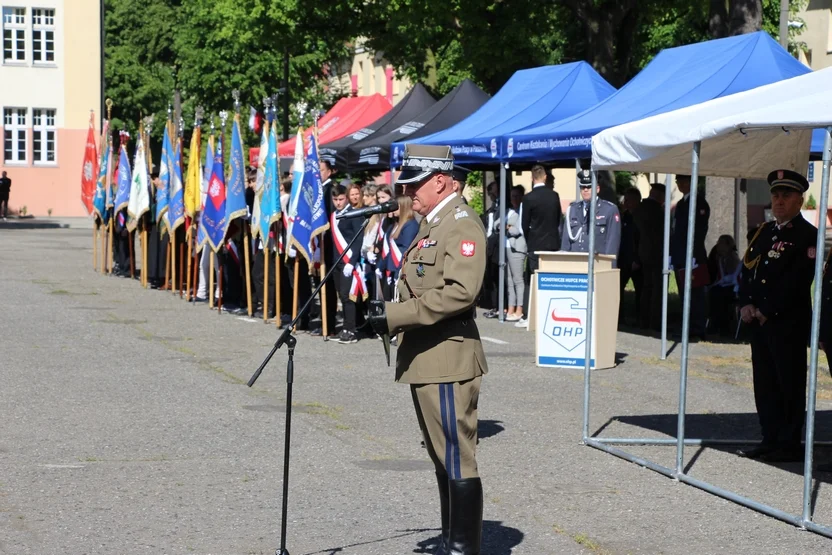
432	214
536	185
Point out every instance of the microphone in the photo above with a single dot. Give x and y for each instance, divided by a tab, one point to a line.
383	208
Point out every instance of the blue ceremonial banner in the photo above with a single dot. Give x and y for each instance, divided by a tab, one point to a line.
201	237
213	217
176	216
125	180
309	212
235	203
162	201
100	200
269	201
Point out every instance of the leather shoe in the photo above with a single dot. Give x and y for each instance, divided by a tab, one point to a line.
756	452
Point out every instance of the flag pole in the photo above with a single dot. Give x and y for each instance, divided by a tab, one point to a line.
324	318
265	280
172	232
103	231
110	246
182	245
211	255
277	307
146	218
95	229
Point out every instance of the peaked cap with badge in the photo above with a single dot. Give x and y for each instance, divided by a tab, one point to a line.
422	161
440	353
787	179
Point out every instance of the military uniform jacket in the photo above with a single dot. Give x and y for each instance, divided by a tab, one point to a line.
575	236
778	269
441	277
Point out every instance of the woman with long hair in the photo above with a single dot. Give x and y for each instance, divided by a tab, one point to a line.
401	235
354	195
382	246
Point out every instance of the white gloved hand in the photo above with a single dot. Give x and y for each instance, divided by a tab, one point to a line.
348	270
389	280
378	273
371	257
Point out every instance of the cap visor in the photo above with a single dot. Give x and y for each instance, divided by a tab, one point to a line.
407	177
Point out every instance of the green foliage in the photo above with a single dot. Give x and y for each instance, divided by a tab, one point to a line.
811	204
474	186
623	181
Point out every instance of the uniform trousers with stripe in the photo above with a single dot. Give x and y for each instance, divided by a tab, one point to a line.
447	414
344	284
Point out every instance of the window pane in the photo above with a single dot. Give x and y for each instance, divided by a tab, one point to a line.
50	55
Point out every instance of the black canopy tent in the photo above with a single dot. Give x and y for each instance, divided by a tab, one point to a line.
414	103
373	153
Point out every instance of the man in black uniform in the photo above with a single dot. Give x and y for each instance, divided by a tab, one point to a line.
459	176
575	234
649	220
5	188
678	249
775	296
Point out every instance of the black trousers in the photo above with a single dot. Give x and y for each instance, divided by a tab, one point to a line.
778	357
532	263
258	276
304	287
721	310
627	273
698	307
344	283
650	305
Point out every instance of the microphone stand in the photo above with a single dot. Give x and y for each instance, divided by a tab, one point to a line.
286	338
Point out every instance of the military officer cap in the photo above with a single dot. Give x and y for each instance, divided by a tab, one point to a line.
787	179
460	174
422	161
585	178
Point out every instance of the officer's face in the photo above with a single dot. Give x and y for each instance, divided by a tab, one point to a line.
429	193
683	183
785	204
586	193
325	172
340	201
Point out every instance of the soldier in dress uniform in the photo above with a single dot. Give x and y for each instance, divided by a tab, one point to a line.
775	296
575	233
439	349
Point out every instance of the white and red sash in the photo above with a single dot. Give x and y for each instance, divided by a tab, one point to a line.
395	251
339	241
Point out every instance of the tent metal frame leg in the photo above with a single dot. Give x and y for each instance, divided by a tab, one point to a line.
609	445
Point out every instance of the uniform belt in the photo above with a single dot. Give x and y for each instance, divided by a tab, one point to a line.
462	316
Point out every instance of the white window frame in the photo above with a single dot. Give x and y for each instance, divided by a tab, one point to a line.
43	22
14	21
44	121
20	135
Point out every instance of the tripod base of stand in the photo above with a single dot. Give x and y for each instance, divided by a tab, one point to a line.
281	552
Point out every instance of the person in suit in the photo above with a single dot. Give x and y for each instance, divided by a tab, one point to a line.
439	351
5	189
649	221
540	221
346	260
678	247
776	300
575	234
628	261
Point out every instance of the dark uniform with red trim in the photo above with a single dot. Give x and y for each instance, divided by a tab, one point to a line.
777	274
439	349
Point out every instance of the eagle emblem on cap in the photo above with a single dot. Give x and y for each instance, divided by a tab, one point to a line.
780	174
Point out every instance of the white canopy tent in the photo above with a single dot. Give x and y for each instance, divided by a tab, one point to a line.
747	134
742	135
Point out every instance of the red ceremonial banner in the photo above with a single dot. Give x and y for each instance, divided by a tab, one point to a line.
89	171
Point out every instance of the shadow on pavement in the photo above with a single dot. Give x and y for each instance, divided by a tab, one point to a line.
496	539
739	426
488	428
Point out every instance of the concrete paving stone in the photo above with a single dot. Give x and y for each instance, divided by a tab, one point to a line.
127	428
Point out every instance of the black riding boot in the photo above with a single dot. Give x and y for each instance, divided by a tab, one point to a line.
442	481
466	517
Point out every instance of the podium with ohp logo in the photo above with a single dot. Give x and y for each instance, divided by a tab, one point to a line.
559	310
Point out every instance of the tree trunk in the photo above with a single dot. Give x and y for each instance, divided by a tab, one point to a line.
746	16
608	28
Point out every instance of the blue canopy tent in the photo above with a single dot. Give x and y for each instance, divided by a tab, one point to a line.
530	97
677	77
